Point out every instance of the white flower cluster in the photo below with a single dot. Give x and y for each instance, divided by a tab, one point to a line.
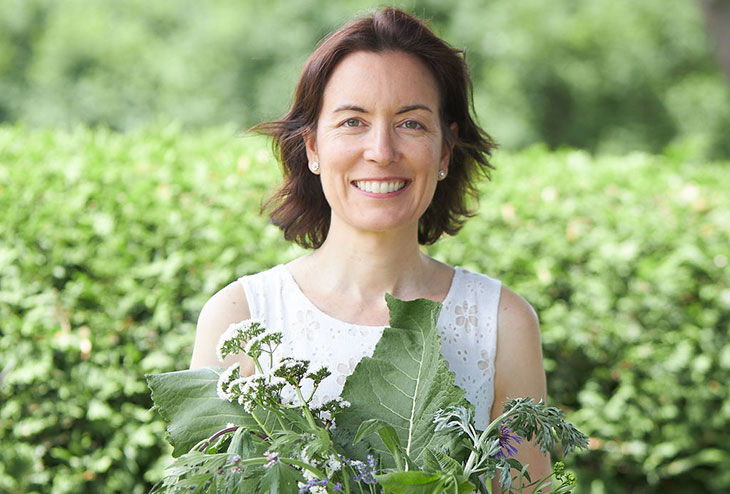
255	342
245	389
234	331
308	474
334	464
289	396
286	365
224	381
341	402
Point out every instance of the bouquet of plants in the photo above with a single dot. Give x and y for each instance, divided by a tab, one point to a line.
401	425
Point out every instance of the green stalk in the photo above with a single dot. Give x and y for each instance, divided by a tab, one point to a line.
263	428
311	395
345	478
303	464
289	461
258	366
305	408
280	419
482	438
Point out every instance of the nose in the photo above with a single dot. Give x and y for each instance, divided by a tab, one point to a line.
381	146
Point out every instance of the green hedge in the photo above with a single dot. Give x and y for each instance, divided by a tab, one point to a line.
110	244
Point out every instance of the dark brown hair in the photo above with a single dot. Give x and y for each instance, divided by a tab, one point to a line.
299	206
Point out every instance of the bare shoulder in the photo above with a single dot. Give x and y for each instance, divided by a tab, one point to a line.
516	315
226	307
519	367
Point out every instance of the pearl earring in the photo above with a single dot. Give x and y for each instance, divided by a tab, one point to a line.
442	174
314	166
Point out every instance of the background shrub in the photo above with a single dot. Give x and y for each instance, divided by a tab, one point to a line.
111	243
610	75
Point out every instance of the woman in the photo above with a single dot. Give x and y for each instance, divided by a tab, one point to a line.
380	153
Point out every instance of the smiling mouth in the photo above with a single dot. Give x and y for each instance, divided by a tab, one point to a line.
379	187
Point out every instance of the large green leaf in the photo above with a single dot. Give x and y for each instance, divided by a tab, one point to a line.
415	482
189	403
280	478
403	384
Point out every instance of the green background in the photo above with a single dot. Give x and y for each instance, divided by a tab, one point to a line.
606	75
128	196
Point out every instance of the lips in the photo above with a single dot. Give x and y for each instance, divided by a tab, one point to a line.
379	186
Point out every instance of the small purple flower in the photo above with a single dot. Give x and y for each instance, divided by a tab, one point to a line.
365	472
305	488
506	434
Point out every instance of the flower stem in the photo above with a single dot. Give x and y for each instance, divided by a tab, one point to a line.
263	427
345	478
304	465
473	455
203	445
289	461
305	408
258	366
314	390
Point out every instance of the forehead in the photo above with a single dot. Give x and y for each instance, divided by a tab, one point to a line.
380	80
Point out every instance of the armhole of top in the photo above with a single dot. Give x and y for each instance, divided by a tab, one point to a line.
498	303
248	294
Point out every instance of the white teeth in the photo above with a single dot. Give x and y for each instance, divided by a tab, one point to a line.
379	187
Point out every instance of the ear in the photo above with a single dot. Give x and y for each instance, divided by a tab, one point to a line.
446	153
310	143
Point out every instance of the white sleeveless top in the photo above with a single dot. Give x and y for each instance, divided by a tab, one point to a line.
467	325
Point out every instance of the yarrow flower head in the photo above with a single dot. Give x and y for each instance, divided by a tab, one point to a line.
227	343
329	409
249	391
225	380
320	375
248	336
291	370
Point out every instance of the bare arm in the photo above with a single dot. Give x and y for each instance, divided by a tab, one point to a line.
519	369
226	307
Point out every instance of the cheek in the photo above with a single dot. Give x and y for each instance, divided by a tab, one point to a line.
334	185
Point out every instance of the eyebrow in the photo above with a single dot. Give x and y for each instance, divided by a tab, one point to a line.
405	109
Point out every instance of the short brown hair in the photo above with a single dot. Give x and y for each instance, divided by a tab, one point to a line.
299	206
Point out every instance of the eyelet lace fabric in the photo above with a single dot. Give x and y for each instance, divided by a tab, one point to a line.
467	326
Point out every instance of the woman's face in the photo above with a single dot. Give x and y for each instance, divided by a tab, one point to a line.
379	142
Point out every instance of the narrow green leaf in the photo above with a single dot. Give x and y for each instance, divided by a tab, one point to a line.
367	428
388	436
437	460
465	487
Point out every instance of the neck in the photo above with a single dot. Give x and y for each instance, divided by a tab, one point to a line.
368	264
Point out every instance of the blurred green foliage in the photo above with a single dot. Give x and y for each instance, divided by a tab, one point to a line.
609	75
111	243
